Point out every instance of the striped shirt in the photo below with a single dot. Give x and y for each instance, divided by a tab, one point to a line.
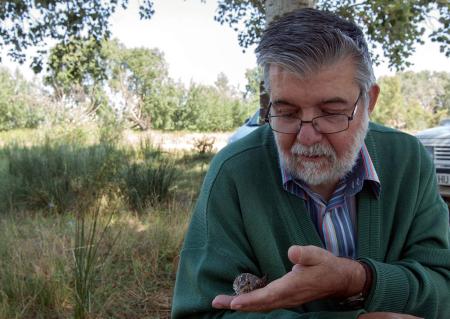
335	220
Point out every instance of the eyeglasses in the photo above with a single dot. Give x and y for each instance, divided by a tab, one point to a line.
325	124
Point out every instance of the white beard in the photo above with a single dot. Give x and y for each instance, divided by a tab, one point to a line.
330	168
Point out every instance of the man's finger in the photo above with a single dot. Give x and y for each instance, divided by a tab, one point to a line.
306	255
297	268
262	299
252	301
222	301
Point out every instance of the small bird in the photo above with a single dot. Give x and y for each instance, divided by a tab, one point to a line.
247	282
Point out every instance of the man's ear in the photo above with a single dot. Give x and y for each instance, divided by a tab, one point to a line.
373	97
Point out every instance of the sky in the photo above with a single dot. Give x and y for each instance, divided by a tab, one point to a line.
197	48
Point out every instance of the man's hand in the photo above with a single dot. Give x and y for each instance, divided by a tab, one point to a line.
316	274
386	315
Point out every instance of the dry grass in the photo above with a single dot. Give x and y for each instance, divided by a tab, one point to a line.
134	278
136	264
178	141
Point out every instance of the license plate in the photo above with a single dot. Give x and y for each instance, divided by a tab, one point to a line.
443	179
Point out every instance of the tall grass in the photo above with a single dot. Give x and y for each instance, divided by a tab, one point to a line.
90	235
57	177
68	261
132	278
33	267
145	185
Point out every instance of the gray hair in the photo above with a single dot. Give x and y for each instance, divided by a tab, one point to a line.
306	40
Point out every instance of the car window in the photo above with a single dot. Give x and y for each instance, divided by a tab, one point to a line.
254	120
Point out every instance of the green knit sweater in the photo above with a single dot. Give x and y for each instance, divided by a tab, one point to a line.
244	221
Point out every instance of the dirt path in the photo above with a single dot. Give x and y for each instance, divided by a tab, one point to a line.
177	141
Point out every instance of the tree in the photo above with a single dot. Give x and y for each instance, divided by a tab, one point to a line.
30	23
210	108
257	15
253	77
80	75
20	103
253	90
394	26
140	78
390	108
404	102
76	74
429	89
223	84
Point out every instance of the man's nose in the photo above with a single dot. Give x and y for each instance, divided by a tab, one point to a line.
308	135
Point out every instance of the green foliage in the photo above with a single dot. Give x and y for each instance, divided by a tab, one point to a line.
146	184
390	107
77	63
76	75
430	89
141	94
148	179
212	108
237	13
412	101
90	234
252	96
28	23
57	177
20	105
68	174
29	288
394	26
140	77
132	275
252	88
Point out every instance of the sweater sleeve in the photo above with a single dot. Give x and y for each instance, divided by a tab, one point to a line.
215	251
418	283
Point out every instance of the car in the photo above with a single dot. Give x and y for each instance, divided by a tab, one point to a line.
437	142
250	124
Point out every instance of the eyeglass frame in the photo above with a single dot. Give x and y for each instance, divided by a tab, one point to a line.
349	118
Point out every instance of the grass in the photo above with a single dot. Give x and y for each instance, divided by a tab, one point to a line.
133	269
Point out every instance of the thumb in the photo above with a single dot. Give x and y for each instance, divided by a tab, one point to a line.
307	255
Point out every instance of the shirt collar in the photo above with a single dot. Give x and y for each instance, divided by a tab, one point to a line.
362	171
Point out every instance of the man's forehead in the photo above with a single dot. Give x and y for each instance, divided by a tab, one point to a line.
340	76
311	70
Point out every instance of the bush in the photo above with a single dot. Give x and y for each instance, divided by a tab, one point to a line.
57	177
146	184
204	144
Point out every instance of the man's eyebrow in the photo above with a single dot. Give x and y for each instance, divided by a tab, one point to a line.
336	99
331	100
283	102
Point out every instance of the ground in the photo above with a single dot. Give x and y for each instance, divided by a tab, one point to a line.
174	141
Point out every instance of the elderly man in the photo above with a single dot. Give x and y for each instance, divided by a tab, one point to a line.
342	216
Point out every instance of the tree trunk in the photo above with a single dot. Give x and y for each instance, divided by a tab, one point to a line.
274	10
277	8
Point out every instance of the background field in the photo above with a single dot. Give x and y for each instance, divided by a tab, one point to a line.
139	196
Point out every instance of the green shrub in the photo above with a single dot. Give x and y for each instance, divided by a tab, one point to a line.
57	177
147	183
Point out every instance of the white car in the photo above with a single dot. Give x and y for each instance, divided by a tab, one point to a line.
437	142
251	124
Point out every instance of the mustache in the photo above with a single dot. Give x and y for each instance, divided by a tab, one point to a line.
313	150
